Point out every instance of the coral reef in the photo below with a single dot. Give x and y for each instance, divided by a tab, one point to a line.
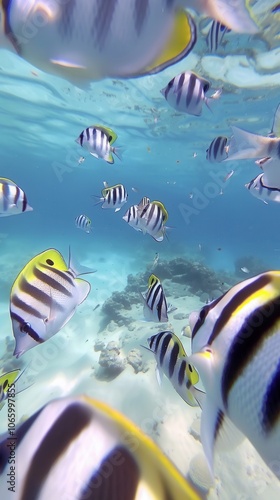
111	361
181	277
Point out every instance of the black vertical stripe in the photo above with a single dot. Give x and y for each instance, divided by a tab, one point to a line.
164	346
190	89
102	22
271	403
17	302
6	6
67	17
169	87
156	338
278	148
114	481
24	202
236	301
140	13
182	371
173	359
72	421
52	282
259	325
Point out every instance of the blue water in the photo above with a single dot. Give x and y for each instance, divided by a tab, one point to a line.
40	118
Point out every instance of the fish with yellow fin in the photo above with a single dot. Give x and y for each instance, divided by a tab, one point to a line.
90	40
173	362
44	297
79	448
7	380
235	348
98	140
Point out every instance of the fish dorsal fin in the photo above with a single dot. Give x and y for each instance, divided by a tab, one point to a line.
78	269
163	209
180	43
112	136
275	131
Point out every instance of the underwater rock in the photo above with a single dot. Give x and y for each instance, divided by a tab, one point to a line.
180	316
99	346
182	277
112	361
134	358
199	474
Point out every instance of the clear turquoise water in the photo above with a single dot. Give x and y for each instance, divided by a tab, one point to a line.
40	118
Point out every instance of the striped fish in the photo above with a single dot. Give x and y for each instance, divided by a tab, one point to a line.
44	297
215	36
155	305
84	223
266	186
132	214
186	93
98	141
152	219
93	39
218	150
114	197
173	362
13	200
80	448
236	346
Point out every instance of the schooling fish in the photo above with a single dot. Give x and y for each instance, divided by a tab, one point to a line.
84	223
98	39
132	214
155	305
80	448
186	93
13	200
218	150
114	197
152	219
44	297
215	35
173	362
235	346
98	141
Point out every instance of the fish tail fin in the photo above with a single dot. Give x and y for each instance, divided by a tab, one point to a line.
236	16
245	145
100	200
118	152
78	269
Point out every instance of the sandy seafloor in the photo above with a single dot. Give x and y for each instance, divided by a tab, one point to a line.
68	364
40	118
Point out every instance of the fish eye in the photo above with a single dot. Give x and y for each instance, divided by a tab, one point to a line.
5	384
50	262
110	138
206	87
24	327
190	368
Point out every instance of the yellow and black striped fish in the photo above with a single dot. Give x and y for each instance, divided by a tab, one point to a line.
93	39
13	199
173	362
236	350
44	297
155	305
79	448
